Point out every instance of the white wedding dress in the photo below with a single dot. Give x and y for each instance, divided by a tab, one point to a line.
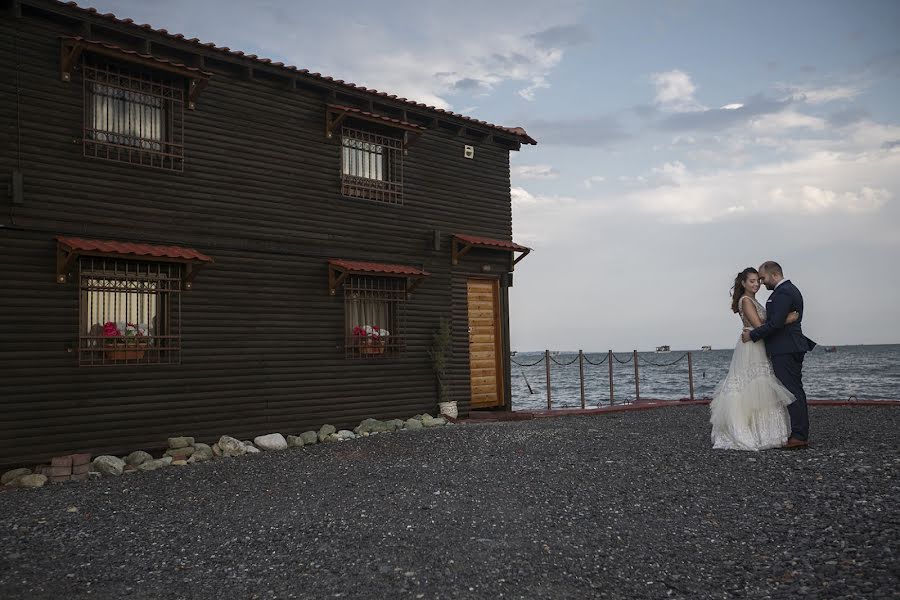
749	407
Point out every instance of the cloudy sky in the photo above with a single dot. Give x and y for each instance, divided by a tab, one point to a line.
678	143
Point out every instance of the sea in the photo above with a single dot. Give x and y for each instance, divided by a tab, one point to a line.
861	372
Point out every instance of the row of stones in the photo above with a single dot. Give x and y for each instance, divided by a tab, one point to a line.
184	450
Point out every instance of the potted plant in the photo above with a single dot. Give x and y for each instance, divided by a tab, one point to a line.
369	340
440	348
127	343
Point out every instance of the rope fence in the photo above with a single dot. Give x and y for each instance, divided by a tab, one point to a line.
547	359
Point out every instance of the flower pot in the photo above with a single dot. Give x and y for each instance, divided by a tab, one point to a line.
449	409
371	347
127	352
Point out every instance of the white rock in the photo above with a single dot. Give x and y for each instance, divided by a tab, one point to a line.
108	465
10	476
30	481
344	435
253	450
201	452
413	424
272	441
231	446
159	463
325	431
309	437
138	457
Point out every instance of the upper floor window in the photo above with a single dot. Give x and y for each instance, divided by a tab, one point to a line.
133	115
371	166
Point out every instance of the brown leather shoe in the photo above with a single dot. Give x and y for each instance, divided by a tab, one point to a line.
794	444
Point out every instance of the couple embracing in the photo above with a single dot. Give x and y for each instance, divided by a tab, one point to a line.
761	403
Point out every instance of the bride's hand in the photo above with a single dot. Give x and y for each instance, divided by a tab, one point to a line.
792	317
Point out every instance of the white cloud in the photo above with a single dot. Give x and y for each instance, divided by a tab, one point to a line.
675	91
822	95
535	172
786	119
733	106
813	186
590	181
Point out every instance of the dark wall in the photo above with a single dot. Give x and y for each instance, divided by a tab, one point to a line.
260	193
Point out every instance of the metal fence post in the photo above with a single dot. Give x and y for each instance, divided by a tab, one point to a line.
609	358
581	374
691	375
637	378
547	362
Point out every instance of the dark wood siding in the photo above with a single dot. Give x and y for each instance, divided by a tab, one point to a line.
260	193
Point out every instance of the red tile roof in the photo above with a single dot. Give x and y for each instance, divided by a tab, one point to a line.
375	116
132	249
517	132
370	267
98	44
483	241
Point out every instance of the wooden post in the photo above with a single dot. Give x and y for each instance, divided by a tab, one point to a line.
581	374
691	375
609	359
547	362
637	378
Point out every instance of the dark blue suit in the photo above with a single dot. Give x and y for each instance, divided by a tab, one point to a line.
786	345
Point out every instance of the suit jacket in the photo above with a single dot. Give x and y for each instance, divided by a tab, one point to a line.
782	338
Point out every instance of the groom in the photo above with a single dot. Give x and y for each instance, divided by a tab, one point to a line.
786	345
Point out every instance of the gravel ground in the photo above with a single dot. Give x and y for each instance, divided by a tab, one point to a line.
626	505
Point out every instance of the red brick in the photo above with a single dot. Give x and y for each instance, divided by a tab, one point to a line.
81	459
81	469
57	471
61	461
60	478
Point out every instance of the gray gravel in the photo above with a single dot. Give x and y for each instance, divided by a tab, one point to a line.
628	505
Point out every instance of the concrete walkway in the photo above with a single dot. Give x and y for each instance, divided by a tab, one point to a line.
629	504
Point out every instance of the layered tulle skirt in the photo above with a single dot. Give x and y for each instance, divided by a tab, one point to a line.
749	407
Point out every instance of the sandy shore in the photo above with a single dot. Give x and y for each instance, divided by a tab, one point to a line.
619	505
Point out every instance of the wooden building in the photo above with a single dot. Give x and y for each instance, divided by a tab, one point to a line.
197	241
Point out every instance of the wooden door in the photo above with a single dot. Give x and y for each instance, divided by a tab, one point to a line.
485	364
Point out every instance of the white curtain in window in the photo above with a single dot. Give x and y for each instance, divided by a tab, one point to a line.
363	159
127	118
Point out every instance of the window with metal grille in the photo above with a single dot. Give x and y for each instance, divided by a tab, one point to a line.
371	166
372	316
129	312
133	116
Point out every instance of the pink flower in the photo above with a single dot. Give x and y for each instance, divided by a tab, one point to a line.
110	330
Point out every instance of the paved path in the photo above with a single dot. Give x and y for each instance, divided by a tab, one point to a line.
624	505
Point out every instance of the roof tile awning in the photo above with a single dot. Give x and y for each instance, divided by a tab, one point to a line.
71	48
336	113
463	243
70	248
339	270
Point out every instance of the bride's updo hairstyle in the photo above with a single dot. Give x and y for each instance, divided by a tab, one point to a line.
738	289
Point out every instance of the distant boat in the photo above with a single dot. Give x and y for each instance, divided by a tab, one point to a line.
830	348
705	348
513	353
663	349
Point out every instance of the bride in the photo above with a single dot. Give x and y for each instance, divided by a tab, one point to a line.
749	407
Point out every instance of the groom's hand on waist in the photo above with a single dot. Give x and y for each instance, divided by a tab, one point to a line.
745	336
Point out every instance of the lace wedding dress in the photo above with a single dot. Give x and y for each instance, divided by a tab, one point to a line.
749	407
